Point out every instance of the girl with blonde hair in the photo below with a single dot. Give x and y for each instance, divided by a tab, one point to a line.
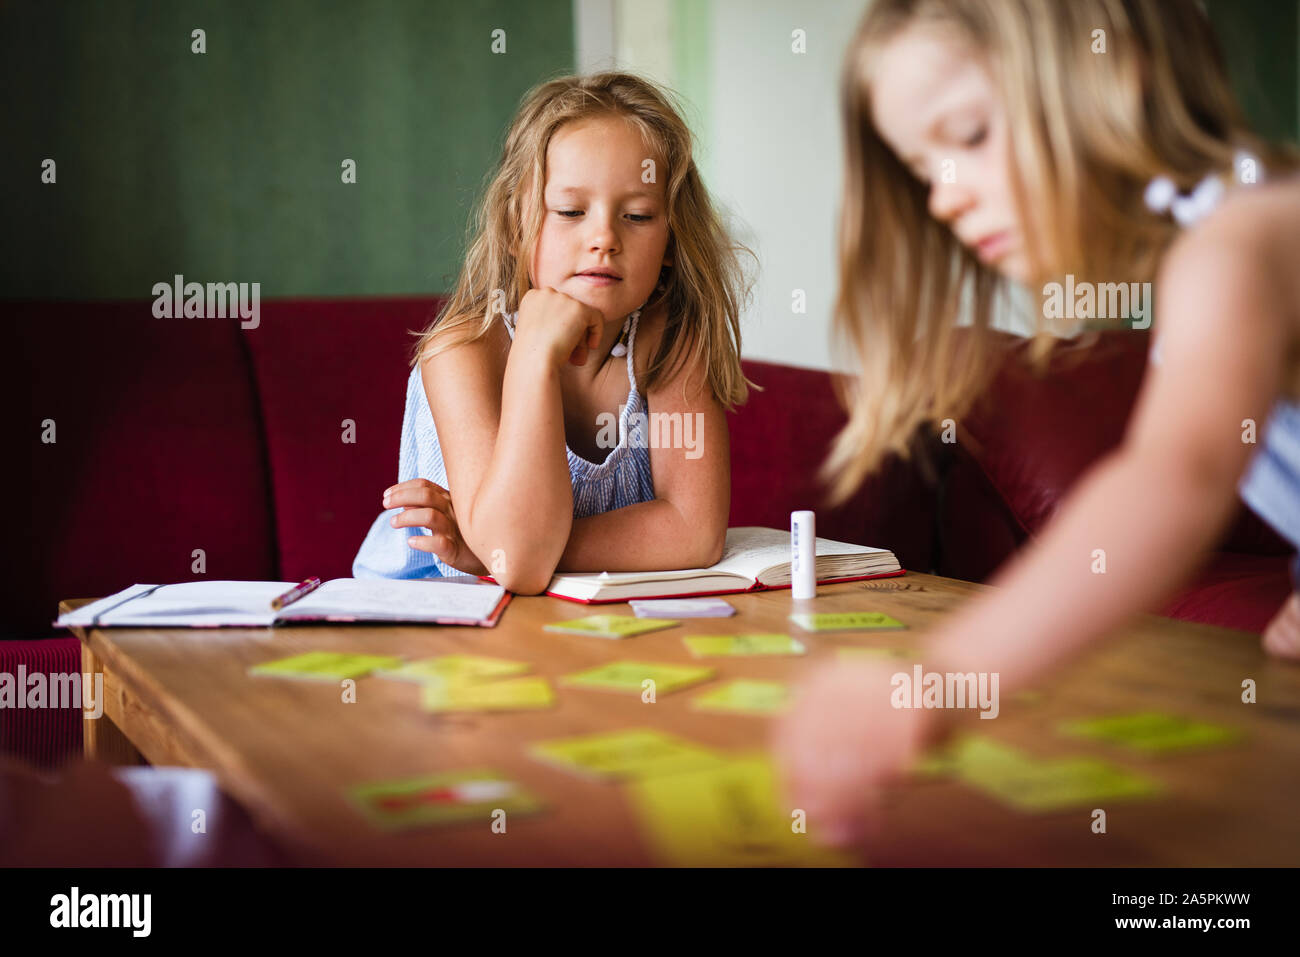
595	241
992	142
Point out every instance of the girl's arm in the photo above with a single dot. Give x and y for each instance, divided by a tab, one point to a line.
1153	507
1157	504
685	525
501	430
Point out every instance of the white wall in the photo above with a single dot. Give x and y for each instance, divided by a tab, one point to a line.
767	122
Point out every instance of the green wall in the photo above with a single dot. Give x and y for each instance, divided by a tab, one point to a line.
225	166
1261	42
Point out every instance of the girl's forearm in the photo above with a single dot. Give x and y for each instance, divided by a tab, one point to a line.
1133	531
523	510
648	536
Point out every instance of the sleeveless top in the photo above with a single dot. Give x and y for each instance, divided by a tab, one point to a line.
623	478
1271	483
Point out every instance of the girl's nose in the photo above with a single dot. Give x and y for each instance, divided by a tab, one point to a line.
949	200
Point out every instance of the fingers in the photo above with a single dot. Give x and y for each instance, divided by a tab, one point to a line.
1282	636
417	492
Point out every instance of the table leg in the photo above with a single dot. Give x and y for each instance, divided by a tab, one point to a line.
102	739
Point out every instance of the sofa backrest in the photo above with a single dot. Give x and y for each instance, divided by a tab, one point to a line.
156	454
1030	439
779	440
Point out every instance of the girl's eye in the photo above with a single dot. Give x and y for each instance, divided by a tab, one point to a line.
639	217
569	213
977	138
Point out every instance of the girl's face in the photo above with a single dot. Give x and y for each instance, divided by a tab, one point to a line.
936	107
605	232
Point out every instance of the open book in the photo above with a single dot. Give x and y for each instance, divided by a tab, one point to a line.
215	604
754	559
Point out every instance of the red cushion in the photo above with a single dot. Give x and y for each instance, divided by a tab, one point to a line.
779	439
318	363
47	736
1235	591
158	453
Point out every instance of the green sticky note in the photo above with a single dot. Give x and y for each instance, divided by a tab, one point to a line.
610	626
726	815
447	798
745	696
631	675
1151	731
635	753
846	621
1041	786
512	694
455	667
739	645
324	666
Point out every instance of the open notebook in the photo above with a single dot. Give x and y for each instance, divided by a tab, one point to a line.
754	559
216	604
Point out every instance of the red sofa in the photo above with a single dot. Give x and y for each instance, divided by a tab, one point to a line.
179	435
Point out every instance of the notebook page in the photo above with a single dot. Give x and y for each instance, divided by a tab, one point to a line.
397	600
186	603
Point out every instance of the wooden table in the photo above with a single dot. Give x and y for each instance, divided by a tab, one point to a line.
287	750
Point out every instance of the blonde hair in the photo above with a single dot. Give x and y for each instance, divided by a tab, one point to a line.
1088	132
705	287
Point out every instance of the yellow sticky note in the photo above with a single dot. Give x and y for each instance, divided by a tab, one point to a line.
513	694
610	626
969	751
1040	786
739	645
724	816
324	666
632	675
745	696
1151	731
846	621
635	753
455	666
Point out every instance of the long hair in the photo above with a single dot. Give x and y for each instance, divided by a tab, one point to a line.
705	288
1088	131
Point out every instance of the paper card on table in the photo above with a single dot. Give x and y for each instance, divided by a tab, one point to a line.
681	608
728	815
511	694
846	621
1039	786
635	753
324	666
1151	731
631	676
446	798
455	666
860	651
702	646
610	626
745	696
969	751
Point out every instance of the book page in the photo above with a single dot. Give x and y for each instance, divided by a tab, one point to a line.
379	599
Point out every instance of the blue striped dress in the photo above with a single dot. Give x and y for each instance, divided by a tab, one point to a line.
623	478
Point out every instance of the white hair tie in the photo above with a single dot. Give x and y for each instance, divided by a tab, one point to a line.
1162	195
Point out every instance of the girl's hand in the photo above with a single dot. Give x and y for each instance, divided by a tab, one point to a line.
426	505
841	743
563	328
